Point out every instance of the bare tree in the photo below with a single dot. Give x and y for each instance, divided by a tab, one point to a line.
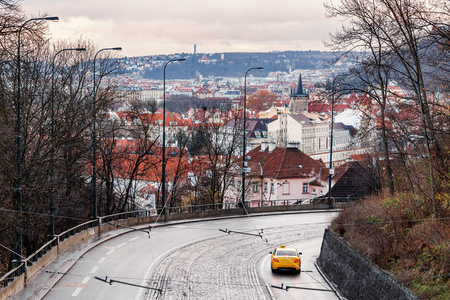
122	167
396	29
222	145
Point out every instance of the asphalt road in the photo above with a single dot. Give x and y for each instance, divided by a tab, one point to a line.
198	261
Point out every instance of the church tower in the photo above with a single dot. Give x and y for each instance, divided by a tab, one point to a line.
299	103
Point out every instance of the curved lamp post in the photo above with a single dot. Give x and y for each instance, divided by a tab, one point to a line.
244	135
19	136
52	171
163	177
94	139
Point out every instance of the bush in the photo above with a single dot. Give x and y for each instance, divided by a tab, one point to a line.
400	235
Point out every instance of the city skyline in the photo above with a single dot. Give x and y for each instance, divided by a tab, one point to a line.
151	27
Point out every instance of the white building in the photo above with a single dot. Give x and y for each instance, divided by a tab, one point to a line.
309	132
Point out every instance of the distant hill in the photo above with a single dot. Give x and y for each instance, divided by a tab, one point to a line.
233	64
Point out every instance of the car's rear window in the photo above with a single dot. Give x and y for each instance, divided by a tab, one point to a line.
286	253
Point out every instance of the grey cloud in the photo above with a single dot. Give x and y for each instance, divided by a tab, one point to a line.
173	24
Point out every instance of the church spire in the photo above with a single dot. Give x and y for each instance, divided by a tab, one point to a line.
299	102
299	93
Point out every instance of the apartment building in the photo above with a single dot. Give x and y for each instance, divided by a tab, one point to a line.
309	131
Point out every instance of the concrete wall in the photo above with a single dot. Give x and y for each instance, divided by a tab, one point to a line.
43	261
14	286
355	276
75	239
287	208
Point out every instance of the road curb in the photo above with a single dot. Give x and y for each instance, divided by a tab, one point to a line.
330	284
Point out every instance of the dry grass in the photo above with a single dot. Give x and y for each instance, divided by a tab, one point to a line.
400	235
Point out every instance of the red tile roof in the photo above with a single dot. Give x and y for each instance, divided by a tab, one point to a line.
284	163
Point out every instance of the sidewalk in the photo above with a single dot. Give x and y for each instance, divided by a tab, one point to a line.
38	286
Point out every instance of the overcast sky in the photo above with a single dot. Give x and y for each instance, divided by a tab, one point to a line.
145	27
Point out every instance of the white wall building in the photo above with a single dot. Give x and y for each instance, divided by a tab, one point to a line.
311	133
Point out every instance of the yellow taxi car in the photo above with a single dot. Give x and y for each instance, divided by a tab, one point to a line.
286	258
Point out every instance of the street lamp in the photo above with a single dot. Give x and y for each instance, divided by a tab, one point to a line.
19	137
244	146
52	171
331	171
94	139
163	177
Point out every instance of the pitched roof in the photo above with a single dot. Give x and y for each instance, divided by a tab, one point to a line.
301	118
284	163
257	125
353	180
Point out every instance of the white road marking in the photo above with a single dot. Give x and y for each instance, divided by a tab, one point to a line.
94	269
121	245
135	238
78	290
110	251
101	260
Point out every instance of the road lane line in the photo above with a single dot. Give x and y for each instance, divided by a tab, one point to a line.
133	239
101	260
270	291
78	290
94	269
110	251
121	245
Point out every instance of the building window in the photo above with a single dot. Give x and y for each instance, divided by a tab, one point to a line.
255	187
271	187
265	187
305	188
286	188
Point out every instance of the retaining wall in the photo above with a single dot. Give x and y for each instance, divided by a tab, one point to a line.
355	276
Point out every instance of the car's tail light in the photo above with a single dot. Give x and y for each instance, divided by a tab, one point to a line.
275	260
297	260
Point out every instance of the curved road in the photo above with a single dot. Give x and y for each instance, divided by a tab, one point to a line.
197	261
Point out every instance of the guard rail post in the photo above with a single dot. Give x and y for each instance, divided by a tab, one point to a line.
25	272
99	219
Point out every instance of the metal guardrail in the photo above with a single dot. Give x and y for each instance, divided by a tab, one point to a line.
9	277
13	274
77	229
193	208
43	250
